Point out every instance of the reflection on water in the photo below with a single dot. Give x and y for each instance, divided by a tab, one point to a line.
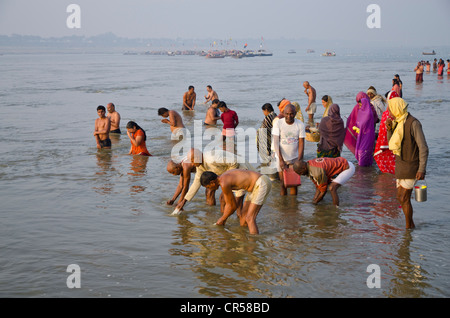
138	166
104	173
408	278
225	262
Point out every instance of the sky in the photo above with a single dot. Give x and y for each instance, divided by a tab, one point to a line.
405	22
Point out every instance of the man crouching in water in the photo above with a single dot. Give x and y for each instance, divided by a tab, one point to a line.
258	187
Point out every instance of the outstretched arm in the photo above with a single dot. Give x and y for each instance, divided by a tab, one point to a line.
318	196
230	205
177	192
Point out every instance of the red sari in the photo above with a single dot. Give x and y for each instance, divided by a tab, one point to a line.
384	157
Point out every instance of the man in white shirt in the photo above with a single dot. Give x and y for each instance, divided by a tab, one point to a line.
289	143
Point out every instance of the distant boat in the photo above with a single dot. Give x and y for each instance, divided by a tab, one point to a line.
329	54
427	53
310	51
215	55
263	53
292	52
129	53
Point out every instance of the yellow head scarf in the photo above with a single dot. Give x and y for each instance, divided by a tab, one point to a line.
299	115
398	108
329	103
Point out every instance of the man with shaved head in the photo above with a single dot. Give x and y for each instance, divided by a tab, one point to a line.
184	170
311	108
289	143
217	161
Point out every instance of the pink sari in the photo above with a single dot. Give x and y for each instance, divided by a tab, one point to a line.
365	141
350	134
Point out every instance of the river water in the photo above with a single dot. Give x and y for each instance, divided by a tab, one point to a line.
64	202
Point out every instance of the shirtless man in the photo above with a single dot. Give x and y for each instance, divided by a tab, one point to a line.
212	95
189	99
311	108
258	187
184	170
217	161
175	121
114	116
212	114
102	128
419	72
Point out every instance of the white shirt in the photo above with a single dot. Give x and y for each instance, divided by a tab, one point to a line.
289	135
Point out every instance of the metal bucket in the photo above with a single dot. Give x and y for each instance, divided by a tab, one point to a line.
420	191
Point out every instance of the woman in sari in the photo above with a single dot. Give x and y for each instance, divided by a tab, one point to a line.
299	115
327	101
396	86
365	129
350	134
137	137
384	157
332	134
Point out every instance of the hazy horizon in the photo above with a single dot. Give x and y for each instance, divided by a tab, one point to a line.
404	23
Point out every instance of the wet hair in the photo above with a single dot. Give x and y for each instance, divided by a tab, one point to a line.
162	111
222	104
209	86
190	86
268	107
132	124
216	101
325	98
207	177
101	107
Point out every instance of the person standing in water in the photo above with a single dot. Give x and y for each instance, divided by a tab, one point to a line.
326	173
102	129
311	108
230	121
212	95
189	99
441	66
212	114
172	118
137	138
257	186
407	142
289	143
114	116
419	73
184	170
217	161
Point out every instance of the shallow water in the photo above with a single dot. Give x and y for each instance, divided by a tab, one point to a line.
64	202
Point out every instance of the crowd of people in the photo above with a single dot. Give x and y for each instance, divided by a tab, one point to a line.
438	67
379	128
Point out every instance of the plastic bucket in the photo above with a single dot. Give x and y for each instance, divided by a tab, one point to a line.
420	191
291	178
